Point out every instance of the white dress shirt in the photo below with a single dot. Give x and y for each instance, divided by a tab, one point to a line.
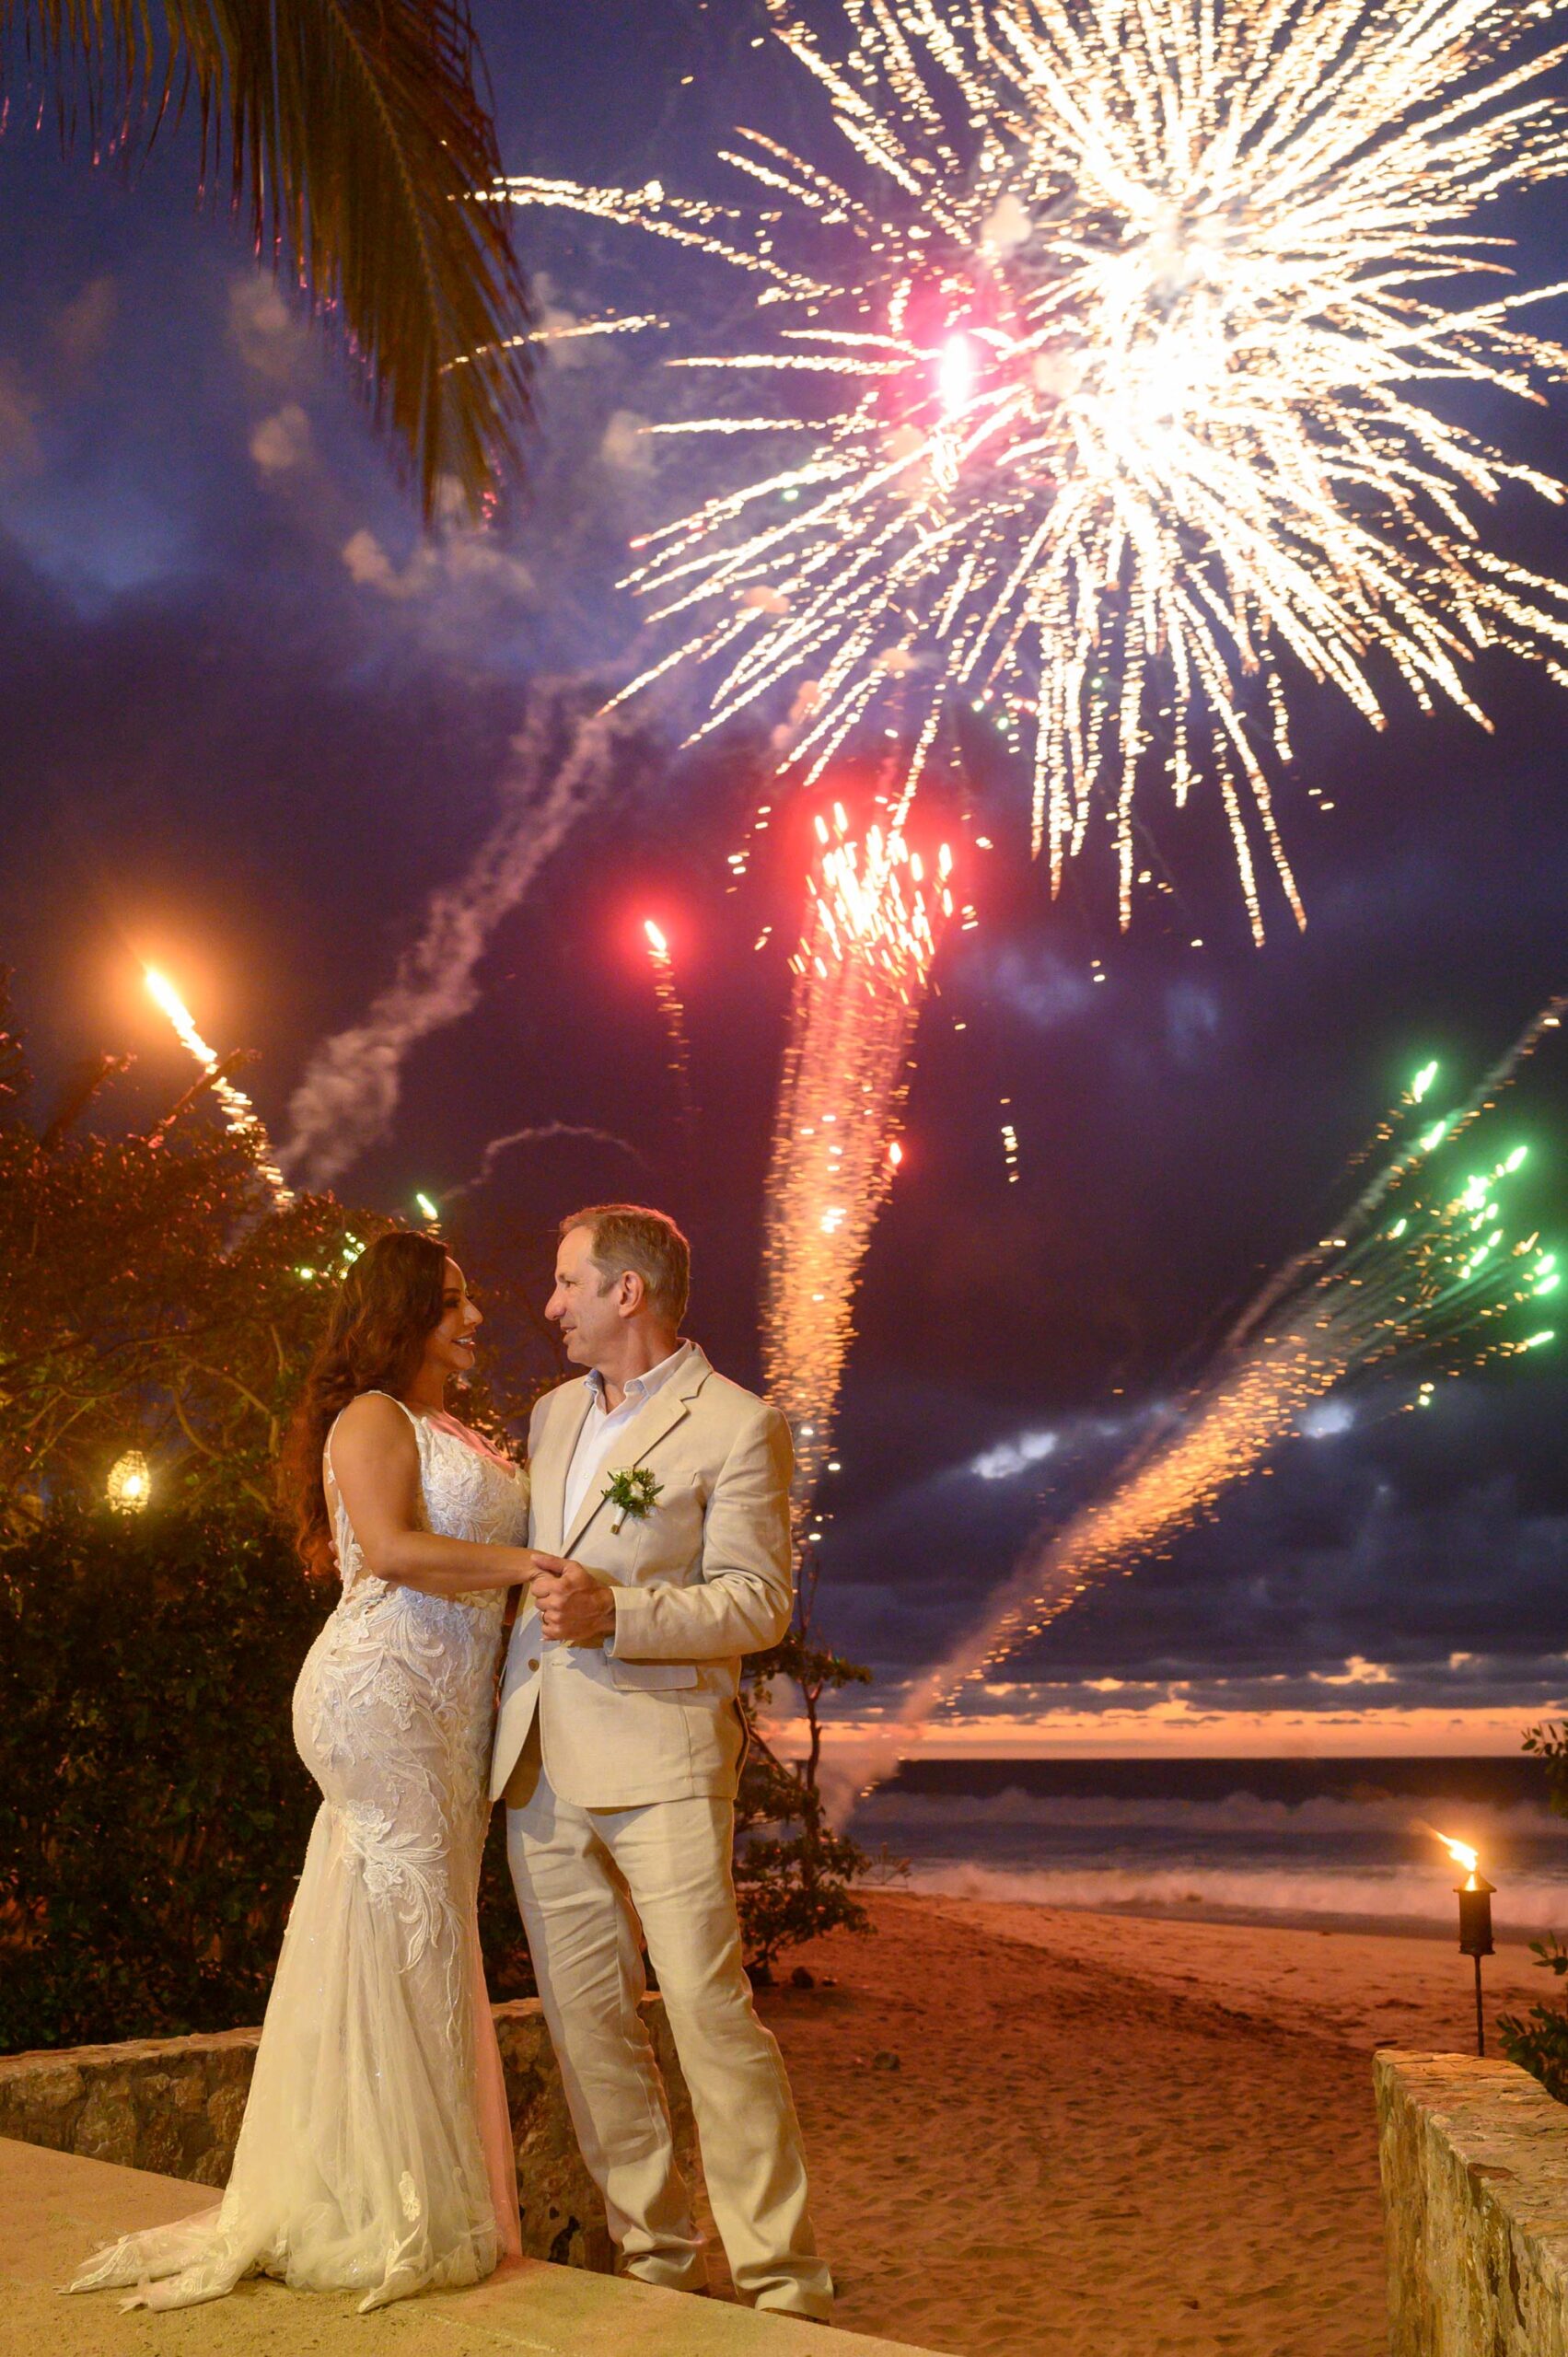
602	1426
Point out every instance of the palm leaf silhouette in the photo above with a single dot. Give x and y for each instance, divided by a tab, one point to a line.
355	136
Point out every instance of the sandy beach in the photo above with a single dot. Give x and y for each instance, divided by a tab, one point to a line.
1039	2133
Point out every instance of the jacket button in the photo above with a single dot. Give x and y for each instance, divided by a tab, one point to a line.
534	1662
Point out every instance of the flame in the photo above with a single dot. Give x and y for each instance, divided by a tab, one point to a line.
1460	1851
656	941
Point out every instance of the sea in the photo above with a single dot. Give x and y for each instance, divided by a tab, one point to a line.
1337	1842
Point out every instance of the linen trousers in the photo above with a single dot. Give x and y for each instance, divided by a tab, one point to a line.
585	1878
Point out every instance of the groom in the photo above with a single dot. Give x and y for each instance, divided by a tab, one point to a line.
663	1491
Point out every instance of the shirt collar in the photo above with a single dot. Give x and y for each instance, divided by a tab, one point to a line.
641	1386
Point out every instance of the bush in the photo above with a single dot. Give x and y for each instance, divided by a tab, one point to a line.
152	1810
1537	2042
793	1884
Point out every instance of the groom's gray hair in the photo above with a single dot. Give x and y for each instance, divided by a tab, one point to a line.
629	1235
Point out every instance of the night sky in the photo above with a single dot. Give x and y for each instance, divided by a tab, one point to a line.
253	723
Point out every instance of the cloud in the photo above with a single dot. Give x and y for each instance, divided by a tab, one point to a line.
282	441
1357	1671
555	320
1041	986
349	1092
19	450
457	558
1192	1020
81	331
625	446
269	338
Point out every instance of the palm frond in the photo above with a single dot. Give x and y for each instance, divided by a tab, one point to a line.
354	136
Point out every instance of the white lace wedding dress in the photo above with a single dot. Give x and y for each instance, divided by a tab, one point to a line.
376	2153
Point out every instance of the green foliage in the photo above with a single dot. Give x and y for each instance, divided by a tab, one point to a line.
153	1813
158	1312
151	1299
1537	2042
1548	1741
792	1884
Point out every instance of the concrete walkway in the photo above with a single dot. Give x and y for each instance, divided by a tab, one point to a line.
55	2208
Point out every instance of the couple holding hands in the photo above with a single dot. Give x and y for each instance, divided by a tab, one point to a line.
651	1536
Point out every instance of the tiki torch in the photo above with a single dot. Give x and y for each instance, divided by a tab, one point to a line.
1475	1920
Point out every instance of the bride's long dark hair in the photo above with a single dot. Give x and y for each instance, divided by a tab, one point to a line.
387	1306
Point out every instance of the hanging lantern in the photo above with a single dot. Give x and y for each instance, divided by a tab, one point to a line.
129	1483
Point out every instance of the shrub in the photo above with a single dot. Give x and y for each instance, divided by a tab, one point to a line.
1539	2042
793	1884
153	1811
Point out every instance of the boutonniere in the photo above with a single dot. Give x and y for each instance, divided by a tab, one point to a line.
633	1490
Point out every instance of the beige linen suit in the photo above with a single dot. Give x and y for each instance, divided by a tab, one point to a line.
618	1763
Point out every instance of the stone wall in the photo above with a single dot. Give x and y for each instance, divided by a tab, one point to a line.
173	2105
1474	2159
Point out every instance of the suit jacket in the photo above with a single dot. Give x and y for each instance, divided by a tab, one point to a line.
702	1577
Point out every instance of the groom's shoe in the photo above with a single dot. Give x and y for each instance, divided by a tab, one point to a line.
667	2274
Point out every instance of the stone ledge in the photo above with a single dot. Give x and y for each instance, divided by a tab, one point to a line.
54	2209
172	2107
1474	2159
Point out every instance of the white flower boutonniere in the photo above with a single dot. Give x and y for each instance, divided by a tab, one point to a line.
633	1492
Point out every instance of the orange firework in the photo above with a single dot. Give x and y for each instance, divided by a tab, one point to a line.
241	1114
874	916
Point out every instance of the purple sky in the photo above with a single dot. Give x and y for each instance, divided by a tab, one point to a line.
253	723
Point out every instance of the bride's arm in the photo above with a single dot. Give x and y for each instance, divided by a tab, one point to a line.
375	1464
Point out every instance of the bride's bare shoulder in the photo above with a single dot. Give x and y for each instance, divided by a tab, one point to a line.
374	1424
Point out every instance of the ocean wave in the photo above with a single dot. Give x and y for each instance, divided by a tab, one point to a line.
1525	1908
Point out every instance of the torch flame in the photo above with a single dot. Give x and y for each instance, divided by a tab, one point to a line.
1460	1851
656	941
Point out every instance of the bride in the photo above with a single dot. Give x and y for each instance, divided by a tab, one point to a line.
376	2153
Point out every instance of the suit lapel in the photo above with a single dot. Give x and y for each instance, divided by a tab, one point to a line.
669	1405
553	1463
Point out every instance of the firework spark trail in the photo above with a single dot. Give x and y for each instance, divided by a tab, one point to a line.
242	1115
349	1094
674	1018
873	918
1427	1279
1128	317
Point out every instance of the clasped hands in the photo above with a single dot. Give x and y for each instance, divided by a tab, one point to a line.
574	1608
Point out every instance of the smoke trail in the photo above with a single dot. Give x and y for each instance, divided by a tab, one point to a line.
541	1134
1354	1300
345	1102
